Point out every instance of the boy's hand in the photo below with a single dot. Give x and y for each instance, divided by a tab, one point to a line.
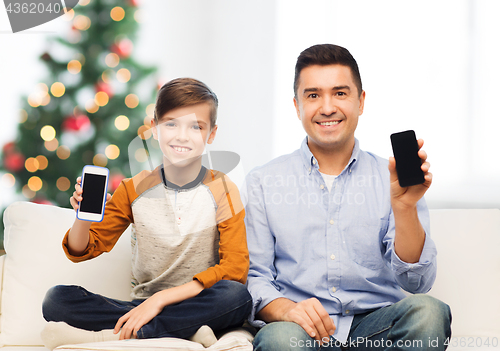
136	318
77	194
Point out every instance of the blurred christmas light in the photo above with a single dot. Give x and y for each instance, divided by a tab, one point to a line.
23	116
42	162
35	183
51	145
81	22
91	106
79	57
122	122
31	165
8	180
117	13
83	2
69	14
48	133
132	101
63	183
27	192
150	110
34	100
112	152
43	87
107	76
101	98
123	75
63	152
139	16
57	89
141	155
122	47
74	66
144	132
147	121
100	160
45	100
112	60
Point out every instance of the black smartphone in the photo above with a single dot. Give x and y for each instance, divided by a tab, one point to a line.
408	164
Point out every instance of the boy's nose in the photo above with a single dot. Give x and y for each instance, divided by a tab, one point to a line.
182	135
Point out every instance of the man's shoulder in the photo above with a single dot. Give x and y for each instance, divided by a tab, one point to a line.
280	164
370	158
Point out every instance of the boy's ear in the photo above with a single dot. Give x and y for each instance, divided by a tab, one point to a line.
153	127
211	137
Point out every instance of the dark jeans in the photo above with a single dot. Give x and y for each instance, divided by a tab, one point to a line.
418	322
226	304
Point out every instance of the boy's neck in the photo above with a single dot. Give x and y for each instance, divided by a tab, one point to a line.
181	176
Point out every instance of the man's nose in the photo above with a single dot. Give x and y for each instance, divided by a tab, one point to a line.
328	107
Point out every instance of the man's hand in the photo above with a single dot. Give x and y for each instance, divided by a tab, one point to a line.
309	314
136	318
407	198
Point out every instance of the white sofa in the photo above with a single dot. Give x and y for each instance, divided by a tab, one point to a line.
468	279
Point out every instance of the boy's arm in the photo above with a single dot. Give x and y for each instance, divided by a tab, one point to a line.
86	240
233	250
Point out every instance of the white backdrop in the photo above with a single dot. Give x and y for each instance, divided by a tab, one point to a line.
431	66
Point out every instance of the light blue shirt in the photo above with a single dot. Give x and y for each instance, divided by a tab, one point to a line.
337	246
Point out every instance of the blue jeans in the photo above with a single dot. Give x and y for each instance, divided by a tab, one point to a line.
419	322
226	304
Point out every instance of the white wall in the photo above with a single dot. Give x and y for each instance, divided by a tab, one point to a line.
431	66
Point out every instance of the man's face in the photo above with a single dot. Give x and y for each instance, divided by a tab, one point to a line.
182	133
328	105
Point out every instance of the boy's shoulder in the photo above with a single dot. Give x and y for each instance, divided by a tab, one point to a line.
144	180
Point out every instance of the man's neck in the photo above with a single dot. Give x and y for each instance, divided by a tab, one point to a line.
182	175
332	160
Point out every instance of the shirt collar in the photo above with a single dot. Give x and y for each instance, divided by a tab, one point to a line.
311	163
189	185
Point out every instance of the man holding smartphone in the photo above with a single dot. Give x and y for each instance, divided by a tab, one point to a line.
333	237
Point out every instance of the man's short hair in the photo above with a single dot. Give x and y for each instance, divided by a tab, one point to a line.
323	55
182	92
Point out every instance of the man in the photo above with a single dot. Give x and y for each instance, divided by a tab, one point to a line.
333	237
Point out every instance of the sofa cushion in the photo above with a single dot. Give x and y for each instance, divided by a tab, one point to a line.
35	261
468	278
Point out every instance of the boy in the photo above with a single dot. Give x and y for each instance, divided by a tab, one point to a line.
189	252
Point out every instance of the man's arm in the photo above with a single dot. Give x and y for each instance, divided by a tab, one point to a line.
410	235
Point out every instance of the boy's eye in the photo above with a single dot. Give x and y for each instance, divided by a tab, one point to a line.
197	127
170	124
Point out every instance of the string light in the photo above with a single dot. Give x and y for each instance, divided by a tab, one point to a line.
144	132
132	101
100	160
117	13
122	122
101	98
31	164
63	183
8	180
51	145
35	183
112	152
58	89
112	60
42	162
48	133
141	155
91	106
81	22
63	152
74	66
123	75
27	192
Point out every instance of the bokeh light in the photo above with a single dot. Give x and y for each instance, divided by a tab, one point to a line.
35	183
31	164
122	122
63	183
112	152
112	60
100	160
132	101
123	75
101	98
117	13
63	152
58	89
51	145
48	133
42	162
74	66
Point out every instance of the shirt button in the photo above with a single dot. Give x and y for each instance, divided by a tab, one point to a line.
332	256
333	289
309	169
321	186
314	161
331	221
347	311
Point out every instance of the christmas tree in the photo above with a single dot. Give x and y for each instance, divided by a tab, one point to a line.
96	100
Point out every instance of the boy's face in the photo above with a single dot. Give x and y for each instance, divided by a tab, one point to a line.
183	133
328	105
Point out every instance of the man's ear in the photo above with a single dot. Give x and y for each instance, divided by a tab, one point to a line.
297	109
211	137
153	127
362	102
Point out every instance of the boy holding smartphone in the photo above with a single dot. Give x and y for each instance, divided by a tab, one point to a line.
189	251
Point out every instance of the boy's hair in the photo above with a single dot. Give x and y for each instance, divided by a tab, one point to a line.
323	55
183	92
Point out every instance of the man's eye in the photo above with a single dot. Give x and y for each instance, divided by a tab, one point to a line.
341	93
313	96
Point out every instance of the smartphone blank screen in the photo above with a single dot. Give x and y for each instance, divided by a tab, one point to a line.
93	193
408	163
